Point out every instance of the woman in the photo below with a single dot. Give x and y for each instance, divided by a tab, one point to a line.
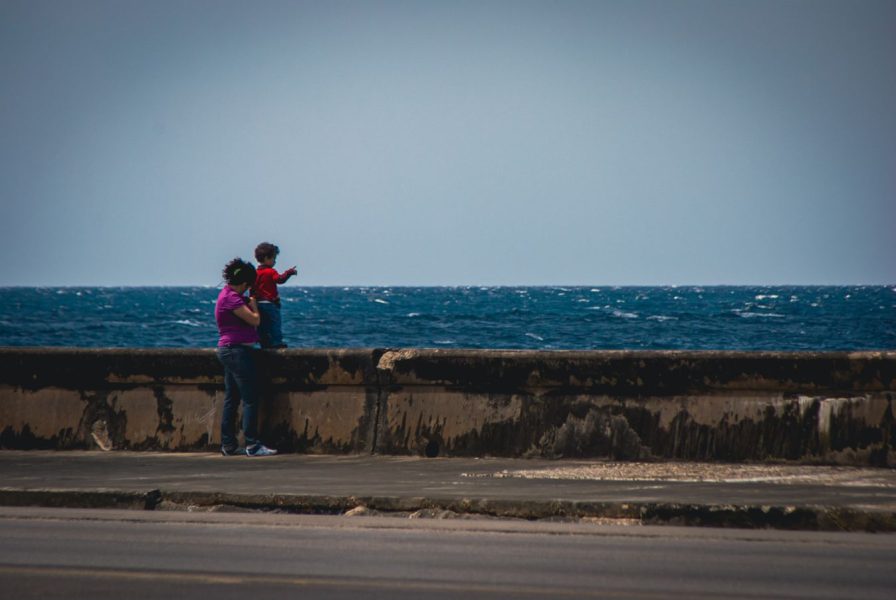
237	319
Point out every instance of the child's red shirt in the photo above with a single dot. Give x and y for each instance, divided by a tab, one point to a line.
266	281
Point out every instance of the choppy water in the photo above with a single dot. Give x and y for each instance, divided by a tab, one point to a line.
732	318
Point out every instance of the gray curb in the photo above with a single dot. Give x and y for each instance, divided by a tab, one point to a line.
806	518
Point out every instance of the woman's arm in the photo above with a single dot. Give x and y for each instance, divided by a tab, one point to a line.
249	313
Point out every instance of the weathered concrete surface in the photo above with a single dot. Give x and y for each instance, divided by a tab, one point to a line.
830	407
65	398
777	496
732	406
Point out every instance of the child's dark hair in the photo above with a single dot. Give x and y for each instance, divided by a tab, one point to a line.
239	271
266	250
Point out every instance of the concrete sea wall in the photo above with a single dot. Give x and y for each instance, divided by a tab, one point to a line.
733	406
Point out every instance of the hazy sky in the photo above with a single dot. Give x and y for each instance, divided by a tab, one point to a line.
428	143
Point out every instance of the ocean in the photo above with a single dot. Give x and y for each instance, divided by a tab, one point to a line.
552	318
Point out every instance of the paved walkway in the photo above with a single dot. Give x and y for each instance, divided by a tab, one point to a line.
783	496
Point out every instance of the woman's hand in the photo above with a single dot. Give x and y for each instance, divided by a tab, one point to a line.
249	312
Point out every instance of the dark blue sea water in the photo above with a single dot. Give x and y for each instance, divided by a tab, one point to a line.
691	318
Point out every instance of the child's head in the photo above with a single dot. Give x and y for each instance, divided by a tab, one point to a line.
265	252
238	272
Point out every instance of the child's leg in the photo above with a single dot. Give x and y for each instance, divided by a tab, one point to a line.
276	330
267	312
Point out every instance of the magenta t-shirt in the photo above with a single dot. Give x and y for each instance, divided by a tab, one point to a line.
233	330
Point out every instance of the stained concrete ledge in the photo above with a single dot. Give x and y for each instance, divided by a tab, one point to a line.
732	406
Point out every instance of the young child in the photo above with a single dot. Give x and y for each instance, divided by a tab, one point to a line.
265	292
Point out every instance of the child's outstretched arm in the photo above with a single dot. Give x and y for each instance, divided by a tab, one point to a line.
285	275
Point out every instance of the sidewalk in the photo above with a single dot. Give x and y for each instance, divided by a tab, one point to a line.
779	496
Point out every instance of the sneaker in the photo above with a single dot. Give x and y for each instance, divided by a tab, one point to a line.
260	450
237	451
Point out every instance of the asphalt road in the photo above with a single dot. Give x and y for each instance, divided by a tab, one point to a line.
64	553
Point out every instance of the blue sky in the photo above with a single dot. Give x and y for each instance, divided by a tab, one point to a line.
449	143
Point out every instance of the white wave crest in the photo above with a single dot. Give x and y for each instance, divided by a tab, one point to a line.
625	315
380	301
764	296
661	318
535	337
751	315
189	322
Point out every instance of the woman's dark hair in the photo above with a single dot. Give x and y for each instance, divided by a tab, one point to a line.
265	250
239	271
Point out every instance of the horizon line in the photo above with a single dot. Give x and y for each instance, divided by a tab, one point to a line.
454	285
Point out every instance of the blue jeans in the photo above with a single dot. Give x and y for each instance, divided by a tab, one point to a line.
239	383
269	330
